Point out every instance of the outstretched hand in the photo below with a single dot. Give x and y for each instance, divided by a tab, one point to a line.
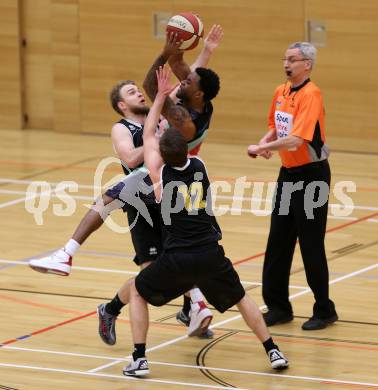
214	37
163	74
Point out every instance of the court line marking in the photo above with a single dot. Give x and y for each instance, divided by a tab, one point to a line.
26	336
106	270
88	186
229	197
86	373
118	271
212	177
254	373
330	230
91	313
26	259
237	211
307	289
237	317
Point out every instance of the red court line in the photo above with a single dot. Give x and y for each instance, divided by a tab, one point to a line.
342	226
352	222
51	327
31	303
169	326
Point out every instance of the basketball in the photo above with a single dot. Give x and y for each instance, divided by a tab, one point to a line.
188	27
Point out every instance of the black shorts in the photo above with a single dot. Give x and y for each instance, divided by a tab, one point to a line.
147	239
143	215
176	272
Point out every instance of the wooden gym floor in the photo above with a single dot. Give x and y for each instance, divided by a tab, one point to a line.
48	336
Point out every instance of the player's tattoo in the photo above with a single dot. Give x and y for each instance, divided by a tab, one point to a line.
177	115
150	82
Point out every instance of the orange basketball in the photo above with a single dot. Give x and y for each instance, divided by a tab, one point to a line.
188	27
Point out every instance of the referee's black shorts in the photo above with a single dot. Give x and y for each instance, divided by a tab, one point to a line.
176	272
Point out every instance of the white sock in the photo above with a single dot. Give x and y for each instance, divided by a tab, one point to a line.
71	247
196	295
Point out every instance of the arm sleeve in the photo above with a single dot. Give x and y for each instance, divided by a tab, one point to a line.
307	116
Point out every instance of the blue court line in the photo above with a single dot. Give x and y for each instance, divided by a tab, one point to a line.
24	337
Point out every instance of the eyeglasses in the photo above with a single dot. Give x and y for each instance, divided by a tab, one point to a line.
293	60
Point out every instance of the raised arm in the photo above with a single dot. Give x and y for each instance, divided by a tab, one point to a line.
181	69
211	42
171	48
152	157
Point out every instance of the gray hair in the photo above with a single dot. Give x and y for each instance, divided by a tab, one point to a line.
307	49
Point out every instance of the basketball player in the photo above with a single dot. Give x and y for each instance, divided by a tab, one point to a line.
128	101
192	254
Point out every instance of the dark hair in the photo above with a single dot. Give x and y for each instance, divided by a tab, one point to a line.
209	83
115	96
173	148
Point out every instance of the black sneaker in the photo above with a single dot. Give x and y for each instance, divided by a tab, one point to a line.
277	359
138	367
315	323
183	319
106	325
274	317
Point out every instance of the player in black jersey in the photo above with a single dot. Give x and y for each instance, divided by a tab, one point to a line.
191	254
129	102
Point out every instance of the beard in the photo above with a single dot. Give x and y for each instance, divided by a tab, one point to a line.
140	110
179	94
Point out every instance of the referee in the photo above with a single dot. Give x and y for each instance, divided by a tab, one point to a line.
296	130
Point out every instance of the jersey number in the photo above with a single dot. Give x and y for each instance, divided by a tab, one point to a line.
193	197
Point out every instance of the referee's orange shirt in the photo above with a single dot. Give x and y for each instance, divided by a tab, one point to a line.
297	112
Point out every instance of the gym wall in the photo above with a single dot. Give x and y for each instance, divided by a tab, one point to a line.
75	50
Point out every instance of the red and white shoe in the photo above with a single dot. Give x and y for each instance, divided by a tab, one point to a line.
59	263
200	319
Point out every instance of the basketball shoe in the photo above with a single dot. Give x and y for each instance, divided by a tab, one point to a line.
106	325
200	319
138	367
277	359
184	319
58	263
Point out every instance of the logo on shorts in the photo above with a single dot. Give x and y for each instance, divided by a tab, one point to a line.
153	250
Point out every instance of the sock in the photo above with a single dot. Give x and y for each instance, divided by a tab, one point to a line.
71	247
114	306
196	295
269	345
186	305
139	351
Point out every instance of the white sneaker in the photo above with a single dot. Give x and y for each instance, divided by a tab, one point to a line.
277	359
59	263
200	319
138	367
